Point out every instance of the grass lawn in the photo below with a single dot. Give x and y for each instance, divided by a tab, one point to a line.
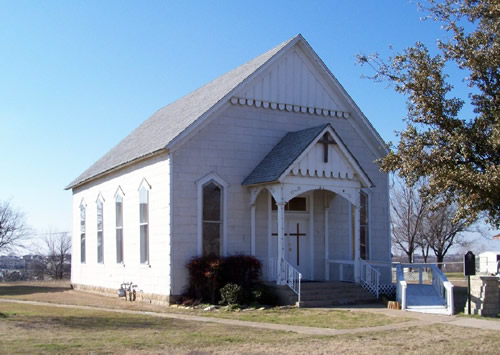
46	329
60	292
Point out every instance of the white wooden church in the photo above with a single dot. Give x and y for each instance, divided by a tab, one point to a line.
273	159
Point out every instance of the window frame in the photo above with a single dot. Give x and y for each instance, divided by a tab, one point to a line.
83	232
144	250
119	250
100	232
366	225
223	185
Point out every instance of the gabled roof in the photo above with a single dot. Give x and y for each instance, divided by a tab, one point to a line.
166	124
276	164
169	125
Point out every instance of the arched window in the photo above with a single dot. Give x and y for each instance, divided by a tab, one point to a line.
363	227
82	233
100	231
144	223
119	227
212	219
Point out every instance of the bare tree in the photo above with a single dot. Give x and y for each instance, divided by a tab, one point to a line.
58	246
407	214
443	228
13	230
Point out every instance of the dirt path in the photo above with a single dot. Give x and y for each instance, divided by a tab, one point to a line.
418	319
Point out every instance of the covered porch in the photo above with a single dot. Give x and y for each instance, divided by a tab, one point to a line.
309	210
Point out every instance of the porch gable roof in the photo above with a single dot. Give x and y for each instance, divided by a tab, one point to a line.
290	149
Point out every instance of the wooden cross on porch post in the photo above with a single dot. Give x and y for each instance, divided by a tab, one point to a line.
297	235
326	140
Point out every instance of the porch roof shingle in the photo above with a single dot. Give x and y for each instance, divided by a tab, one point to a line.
288	149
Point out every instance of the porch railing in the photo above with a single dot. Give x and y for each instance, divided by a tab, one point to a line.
293	278
370	277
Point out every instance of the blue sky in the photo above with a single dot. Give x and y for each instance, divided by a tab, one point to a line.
77	76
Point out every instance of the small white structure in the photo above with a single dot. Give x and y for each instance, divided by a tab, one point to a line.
273	159
488	262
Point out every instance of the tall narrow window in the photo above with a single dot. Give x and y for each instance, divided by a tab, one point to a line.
119	228
144	224
212	219
82	233
363	227
100	239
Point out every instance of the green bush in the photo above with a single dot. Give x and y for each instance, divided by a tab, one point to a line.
231	294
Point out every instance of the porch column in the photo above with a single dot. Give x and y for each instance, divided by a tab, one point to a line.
327	241
357	271
252	230
281	244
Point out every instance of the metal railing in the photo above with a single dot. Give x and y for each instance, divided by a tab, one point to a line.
370	277
292	278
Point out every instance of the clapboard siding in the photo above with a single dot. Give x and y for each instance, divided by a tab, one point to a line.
150	279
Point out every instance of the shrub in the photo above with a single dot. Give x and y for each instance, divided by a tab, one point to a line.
207	275
244	270
231	294
204	278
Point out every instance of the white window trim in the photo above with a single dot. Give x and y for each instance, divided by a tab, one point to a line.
120	194
224	185
368	194
145	185
100	199
84	205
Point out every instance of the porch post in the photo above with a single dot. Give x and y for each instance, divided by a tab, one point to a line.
281	244
252	230
357	265
327	241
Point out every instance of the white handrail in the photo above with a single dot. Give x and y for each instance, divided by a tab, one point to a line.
401	286
443	288
440	283
293	278
370	277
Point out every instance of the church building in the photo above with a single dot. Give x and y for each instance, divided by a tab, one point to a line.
273	159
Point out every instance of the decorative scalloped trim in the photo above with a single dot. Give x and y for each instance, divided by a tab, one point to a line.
289	107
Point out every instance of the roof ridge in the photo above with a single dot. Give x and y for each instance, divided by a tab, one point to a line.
167	123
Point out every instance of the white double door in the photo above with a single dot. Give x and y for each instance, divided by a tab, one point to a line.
296	243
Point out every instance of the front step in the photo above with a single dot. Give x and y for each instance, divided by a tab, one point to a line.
326	294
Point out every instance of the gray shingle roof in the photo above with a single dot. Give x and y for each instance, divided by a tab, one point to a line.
283	155
166	124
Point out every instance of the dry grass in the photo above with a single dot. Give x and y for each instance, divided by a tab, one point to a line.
44	329
60	292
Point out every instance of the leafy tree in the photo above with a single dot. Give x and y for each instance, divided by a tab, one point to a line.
459	155
13	230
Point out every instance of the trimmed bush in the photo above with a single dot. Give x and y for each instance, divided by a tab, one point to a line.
208	274
231	294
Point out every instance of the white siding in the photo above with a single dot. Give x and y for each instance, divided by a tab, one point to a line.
153	278
232	145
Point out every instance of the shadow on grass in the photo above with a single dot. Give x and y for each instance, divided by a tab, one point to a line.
19	290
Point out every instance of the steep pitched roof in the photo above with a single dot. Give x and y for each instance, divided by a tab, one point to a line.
166	124
288	150
283	155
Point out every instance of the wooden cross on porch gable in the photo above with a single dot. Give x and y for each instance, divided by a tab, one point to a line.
326	140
